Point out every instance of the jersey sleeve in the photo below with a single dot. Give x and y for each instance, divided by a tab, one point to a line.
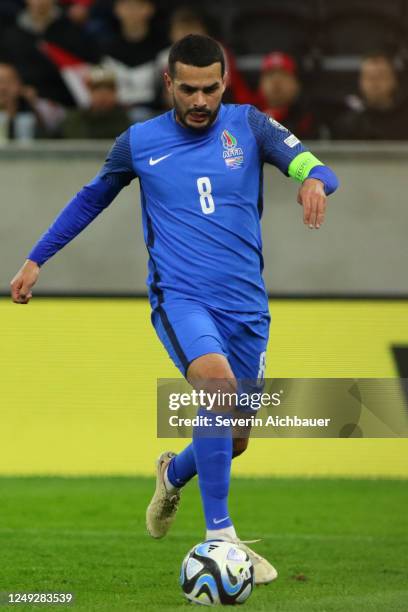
89	202
118	168
279	147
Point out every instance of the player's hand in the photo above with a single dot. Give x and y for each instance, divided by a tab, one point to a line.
313	199
24	281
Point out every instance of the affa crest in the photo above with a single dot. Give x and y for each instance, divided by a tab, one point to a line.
233	154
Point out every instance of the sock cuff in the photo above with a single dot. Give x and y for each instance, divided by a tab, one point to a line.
171	476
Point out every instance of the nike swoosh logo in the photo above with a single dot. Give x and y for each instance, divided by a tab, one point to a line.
153	162
216	521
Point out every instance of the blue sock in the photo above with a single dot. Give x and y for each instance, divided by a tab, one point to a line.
182	467
213	455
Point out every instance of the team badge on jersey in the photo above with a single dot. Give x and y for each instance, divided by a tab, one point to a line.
233	154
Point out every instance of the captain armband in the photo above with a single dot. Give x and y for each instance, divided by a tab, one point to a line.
302	164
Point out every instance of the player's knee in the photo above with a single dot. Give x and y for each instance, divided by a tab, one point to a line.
239	446
212	374
212	366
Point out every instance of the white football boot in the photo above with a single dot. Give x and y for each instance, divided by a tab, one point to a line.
162	509
264	572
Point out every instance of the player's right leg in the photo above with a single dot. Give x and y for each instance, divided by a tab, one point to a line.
163	506
187	331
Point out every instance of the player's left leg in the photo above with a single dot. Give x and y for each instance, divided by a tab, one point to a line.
213	453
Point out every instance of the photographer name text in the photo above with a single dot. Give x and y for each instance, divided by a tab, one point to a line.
247	421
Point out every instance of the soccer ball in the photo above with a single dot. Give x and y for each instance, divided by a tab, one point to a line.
217	572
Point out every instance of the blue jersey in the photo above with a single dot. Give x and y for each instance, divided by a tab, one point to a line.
201	194
202	203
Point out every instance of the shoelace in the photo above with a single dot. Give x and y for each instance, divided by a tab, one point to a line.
245	542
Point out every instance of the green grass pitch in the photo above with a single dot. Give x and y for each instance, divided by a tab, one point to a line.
338	545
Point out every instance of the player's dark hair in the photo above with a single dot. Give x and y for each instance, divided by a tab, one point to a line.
196	50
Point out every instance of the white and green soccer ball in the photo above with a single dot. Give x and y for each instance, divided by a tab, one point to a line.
217	572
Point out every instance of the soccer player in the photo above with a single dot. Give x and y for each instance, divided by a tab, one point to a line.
200	172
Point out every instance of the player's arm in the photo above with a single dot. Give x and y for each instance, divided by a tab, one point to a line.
88	203
279	147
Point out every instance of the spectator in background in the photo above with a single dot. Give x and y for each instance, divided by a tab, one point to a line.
380	111
17	118
185	20
42	44
131	54
282	99
23	114
105	118
78	11
94	17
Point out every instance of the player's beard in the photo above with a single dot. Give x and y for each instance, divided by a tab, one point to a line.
182	116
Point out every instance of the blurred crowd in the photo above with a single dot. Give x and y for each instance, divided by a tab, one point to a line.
87	69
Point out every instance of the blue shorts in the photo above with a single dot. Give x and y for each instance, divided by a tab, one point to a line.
189	329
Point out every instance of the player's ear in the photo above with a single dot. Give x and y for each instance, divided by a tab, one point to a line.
225	80
168	81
